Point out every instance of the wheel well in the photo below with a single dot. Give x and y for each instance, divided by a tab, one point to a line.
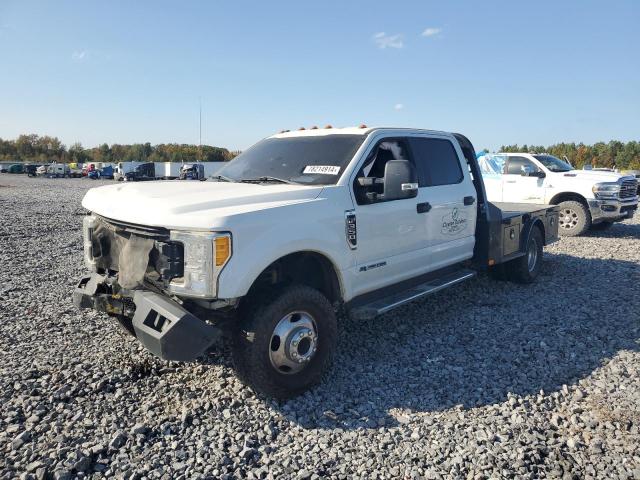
307	268
566	197
540	226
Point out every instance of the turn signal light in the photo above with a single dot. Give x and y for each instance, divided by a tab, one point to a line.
223	250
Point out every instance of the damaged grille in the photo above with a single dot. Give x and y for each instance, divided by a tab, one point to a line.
136	253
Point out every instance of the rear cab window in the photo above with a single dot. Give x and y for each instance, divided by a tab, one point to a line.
437	161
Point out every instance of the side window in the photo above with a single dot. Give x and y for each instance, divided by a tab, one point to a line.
515	164
374	165
437	160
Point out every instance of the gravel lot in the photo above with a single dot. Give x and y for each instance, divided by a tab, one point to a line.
488	380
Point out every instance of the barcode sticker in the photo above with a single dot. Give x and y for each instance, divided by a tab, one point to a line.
322	169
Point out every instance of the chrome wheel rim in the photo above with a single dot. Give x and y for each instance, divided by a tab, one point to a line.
568	218
532	255
294	342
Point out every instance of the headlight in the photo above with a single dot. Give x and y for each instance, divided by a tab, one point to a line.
205	255
88	225
609	191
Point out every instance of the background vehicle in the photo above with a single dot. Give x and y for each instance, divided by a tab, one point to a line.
154	171
587	198
75	170
168	170
123	168
104	172
298	224
200	170
16	168
58	170
31	169
141	172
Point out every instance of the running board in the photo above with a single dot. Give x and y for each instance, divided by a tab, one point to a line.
383	305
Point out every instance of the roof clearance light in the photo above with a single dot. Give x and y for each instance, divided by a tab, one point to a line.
363	125
315	127
328	126
302	128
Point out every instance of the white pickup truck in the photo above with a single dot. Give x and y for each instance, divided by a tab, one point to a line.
587	198
298	225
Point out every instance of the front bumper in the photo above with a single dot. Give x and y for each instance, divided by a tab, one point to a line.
163	326
611	210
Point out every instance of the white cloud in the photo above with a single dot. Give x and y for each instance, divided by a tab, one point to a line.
79	55
398	106
388	41
431	32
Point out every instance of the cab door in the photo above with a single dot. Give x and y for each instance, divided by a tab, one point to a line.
519	188
450	219
391	235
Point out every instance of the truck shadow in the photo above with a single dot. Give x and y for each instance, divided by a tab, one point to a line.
617	230
475	344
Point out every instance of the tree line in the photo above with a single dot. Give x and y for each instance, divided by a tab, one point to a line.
45	149
615	154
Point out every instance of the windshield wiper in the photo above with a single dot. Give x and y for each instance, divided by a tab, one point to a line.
265	179
222	178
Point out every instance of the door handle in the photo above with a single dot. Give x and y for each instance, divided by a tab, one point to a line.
509	181
469	200
423	207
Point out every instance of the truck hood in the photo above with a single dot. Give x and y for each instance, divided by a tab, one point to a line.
592	176
190	205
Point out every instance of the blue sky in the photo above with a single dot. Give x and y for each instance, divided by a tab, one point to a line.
500	72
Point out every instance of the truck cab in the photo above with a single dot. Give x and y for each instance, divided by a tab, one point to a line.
587	198
297	226
192	171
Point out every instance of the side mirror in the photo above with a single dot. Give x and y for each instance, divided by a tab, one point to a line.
529	171
400	180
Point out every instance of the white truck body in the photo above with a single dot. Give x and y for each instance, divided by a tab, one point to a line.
168	170
527	178
371	218
256	216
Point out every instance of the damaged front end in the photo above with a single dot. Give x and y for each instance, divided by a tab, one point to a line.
136	272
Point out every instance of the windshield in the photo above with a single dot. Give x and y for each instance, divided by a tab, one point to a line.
554	164
305	160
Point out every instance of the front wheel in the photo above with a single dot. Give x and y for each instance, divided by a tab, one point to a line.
574	218
285	341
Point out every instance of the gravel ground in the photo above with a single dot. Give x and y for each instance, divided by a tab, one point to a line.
489	380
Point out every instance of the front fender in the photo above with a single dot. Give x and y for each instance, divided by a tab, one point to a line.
260	238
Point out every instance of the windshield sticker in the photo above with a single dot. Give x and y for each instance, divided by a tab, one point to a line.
322	169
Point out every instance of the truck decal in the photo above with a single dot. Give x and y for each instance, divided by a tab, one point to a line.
454	222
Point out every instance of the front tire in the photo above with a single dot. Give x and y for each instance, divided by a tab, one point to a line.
285	341
574	218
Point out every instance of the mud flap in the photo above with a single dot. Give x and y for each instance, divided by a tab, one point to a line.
168	330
